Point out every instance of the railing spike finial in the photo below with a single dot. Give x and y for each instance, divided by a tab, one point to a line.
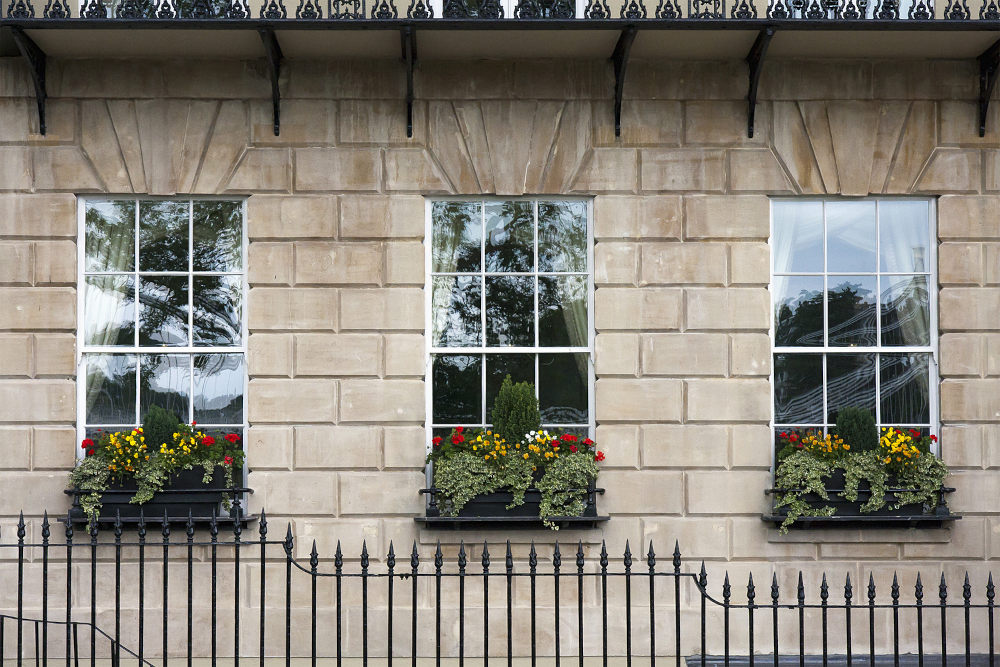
824	590
943	589
751	590
871	587
580	562
990	589
338	556
604	555
118	524
461	557
262	525
45	525
848	589
93	532
651	556
627	557
894	588
703	577
313	558
165	527
727	589
20	527
69	529
213	525
918	589
438	557
677	557
967	588
556	556
775	591
532	557
288	542
189	526
390	559
414	557
486	557
801	589
508	559
364	555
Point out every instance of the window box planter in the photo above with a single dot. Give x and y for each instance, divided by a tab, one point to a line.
848	512
184	493
490	510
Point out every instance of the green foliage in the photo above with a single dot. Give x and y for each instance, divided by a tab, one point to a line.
800	474
465	475
515	410
564	486
159	426
857	427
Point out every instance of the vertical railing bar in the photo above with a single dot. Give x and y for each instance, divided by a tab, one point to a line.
580	563
213	531
287	546
967	599
801	602
364	603
93	593
751	592
943	594
509	567
461	605
990	595
775	594
46	532
118	579
37	652
165	533
532	567
894	594
236	514
189	533
313	565
604	604
627	561
438	564
677	607
556	564
20	588
848	595
703	593
918	593
726	593
486	603
76	645
69	586
390	562
824	596
262	533
414	566
338	566
871	618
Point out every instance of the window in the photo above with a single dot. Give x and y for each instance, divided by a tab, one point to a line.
854	311
161	312
509	292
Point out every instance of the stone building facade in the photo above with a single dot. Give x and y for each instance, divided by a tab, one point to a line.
336	218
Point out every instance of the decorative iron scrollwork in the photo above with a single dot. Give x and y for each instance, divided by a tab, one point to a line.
346	9
851	11
704	9
743	10
385	10
633	10
887	10
562	9
419	9
989	11
815	11
778	10
309	9
56	9
957	10
165	10
273	11
921	10
93	9
490	9
238	9
598	9
455	9
668	9
130	9
19	9
527	9
202	9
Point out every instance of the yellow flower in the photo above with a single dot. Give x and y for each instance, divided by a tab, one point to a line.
526	457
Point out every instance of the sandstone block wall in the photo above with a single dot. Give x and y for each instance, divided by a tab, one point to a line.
336	220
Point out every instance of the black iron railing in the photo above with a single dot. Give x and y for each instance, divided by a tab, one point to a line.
152	597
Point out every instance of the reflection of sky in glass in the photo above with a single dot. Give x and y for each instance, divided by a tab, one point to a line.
798	236
850	243
218	388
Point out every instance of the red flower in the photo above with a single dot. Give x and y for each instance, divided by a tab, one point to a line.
569	437
194	423
572	448
228	460
232	437
793	437
87	444
588	442
599	456
915	433
459	429
208	441
798	446
90	452
457	439
933	438
437	441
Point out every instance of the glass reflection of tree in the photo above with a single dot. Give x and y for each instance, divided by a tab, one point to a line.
798	382
562	236
457	389
216	310
509	237
217	236
510	311
110	237
163	236
211	388
455	248
906	312
852	307
158	383
163	310
456	311
800	323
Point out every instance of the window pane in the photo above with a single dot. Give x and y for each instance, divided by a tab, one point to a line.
798	388
510	230
110	231
562	388
903	230
510	311
110	388
798	237
217	306
798	311
163	312
163	236
851	310
457	389
218	388
165	381
904	388
457	232
906	310
562	236
850	243
850	383
562	311
520	367
109	308
218	235
457	311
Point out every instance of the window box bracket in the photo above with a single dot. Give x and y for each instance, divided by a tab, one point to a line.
619	59
408	43
274	59
755	61
35	58
989	65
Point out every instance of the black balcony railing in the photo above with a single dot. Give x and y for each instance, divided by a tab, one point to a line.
151	596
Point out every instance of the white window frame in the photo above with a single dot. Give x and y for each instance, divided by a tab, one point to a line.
191	350
932	287
429	274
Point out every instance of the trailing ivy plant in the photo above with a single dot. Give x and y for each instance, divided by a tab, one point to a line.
565	486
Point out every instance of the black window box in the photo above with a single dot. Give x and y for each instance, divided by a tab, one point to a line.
849	515
490	511
184	494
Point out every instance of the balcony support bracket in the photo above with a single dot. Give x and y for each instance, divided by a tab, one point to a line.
408	43
274	60
989	65
755	61
35	58
620	60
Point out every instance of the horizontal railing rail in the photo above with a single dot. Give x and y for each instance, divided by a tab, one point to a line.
154	596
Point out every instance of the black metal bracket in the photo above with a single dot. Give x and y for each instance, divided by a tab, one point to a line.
755	61
620	60
274	59
35	58
989	65
408	43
